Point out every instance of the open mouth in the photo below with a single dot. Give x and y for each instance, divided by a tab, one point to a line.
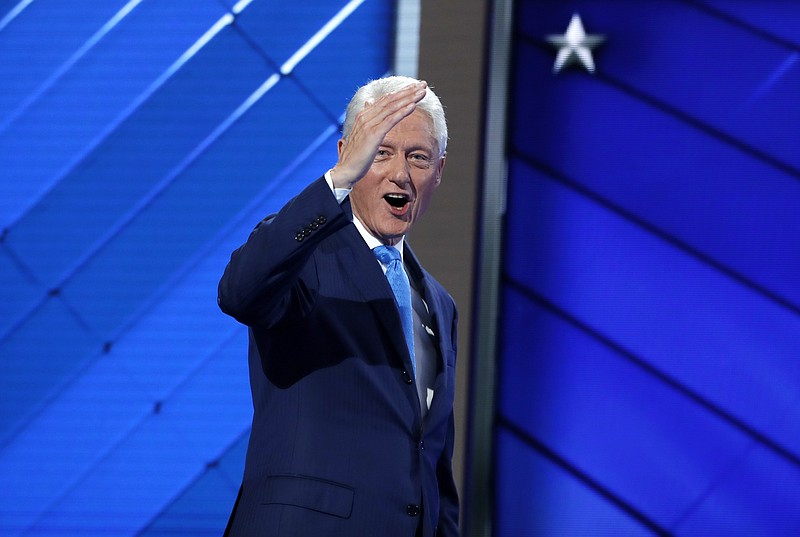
398	201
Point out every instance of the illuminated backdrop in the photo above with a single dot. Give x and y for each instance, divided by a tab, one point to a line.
139	144
650	328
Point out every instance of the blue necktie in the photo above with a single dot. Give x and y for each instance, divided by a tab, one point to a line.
398	280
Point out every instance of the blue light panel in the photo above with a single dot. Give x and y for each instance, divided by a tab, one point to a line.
651	313
139	144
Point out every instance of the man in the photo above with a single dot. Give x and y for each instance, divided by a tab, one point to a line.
353	415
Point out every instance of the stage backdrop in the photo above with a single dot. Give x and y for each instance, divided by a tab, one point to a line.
650	327
139	144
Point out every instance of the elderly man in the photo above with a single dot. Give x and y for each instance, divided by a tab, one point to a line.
352	344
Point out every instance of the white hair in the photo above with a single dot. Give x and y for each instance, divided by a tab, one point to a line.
375	89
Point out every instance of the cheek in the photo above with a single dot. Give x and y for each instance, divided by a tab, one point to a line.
362	189
426	186
424	198
368	185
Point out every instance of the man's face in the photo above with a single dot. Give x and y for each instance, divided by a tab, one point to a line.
396	190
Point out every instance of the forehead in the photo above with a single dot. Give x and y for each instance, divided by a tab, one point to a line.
416	130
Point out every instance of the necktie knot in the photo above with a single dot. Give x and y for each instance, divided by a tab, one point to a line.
387	254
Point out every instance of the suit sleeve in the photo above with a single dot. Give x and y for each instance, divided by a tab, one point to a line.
448	494
264	274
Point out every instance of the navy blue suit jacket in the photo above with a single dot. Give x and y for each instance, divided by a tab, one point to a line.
338	444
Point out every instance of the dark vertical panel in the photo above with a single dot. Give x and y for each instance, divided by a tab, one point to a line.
453	42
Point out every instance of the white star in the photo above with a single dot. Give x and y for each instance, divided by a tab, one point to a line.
575	46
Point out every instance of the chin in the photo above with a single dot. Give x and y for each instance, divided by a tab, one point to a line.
394	232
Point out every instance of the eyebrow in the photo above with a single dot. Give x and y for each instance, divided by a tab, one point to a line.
416	147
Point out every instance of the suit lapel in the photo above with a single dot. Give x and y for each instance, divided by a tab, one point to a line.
367	277
434	311
359	263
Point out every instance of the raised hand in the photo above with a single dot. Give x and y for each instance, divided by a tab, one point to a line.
369	129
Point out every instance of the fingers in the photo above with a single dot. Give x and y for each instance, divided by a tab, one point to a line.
390	109
369	129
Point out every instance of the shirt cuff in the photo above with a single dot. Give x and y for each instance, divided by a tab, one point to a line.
339	193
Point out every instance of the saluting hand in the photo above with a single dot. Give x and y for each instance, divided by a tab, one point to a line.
369	129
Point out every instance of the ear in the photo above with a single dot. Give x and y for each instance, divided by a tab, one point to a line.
440	170
339	146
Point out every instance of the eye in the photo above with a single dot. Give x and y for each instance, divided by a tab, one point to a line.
421	160
381	154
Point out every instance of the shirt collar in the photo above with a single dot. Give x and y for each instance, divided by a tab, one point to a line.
372	241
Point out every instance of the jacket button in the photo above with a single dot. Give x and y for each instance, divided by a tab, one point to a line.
314	225
407	377
299	237
412	510
321	219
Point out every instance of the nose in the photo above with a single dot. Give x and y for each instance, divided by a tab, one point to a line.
400	172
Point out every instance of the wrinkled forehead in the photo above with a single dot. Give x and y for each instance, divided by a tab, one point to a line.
415	130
